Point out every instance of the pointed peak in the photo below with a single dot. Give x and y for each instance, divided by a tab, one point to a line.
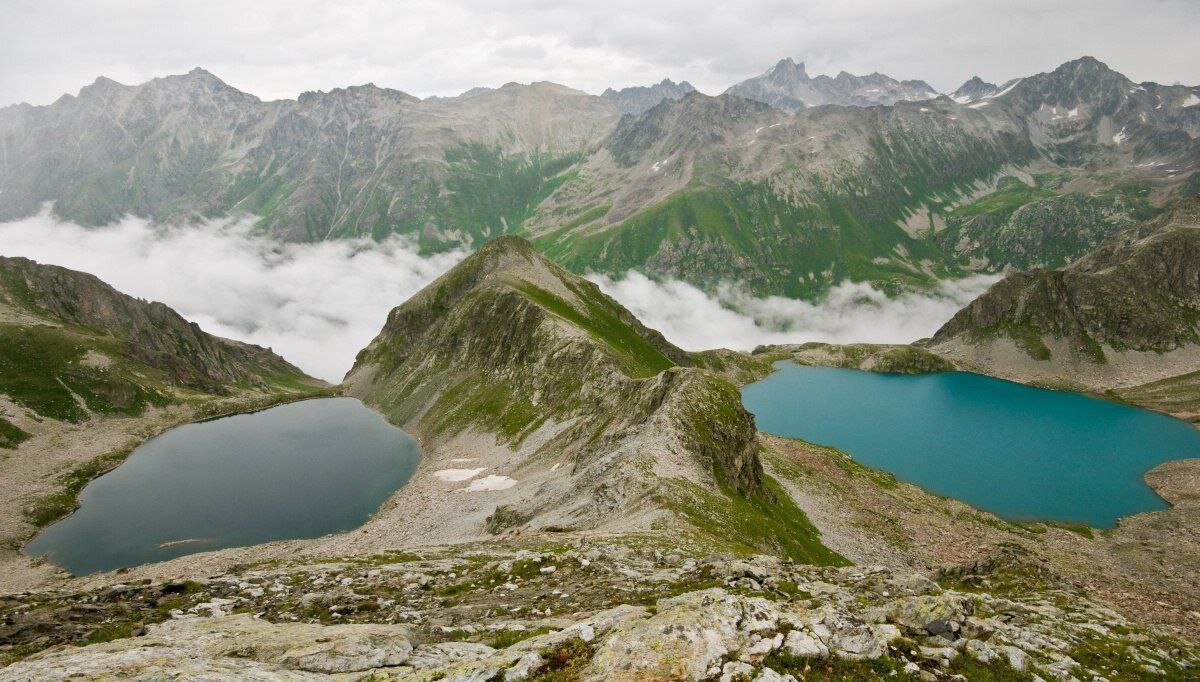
1084	64
787	64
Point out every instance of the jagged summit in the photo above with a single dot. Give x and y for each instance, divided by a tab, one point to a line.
974	90
635	100
788	86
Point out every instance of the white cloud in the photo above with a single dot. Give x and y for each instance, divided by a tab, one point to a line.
317	305
851	312
278	48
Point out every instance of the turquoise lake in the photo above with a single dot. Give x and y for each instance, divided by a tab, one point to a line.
300	470
1020	452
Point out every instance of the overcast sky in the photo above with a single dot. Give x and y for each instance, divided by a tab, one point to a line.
279	48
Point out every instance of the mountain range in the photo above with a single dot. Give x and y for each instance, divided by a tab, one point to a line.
870	187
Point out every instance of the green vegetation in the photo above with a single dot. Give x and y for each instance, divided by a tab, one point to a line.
766	521
563	663
1174	394
589	216
112	631
888	667
1043	224
506	638
493	405
50	508
795	248
42	368
601	318
11	435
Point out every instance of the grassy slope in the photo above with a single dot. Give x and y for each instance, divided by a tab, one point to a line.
42	368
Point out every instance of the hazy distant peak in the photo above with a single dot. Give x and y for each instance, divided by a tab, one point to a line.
788	86
638	99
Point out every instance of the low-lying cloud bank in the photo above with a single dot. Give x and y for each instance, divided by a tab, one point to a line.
319	304
315	304
850	312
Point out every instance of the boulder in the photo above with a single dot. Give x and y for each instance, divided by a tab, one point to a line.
941	614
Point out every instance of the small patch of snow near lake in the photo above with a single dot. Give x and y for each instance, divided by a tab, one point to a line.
456	475
492	482
1191	101
463	460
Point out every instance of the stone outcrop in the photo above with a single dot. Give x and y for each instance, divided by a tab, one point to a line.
756	618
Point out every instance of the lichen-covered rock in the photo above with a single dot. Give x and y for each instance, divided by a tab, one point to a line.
208	646
686	636
941	614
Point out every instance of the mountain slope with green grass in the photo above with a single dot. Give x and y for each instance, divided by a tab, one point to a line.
595	419
1127	313
73	347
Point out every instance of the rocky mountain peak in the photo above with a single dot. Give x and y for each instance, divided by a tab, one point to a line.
788	86
974	90
789	68
638	99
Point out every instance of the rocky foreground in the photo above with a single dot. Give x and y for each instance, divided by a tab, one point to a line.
590	609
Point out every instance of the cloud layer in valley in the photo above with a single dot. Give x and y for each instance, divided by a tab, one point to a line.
315	304
278	48
850	312
319	304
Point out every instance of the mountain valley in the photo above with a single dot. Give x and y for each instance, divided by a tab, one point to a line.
592	501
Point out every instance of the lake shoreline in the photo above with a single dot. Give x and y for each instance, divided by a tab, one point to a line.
202	469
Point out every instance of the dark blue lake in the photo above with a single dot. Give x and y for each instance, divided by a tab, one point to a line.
300	470
1017	451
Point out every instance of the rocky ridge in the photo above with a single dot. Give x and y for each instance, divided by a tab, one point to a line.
788	86
1128	307
594	610
899	193
589	417
637	99
151	333
708	189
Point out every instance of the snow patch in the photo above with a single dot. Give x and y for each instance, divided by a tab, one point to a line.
493	482
1073	113
1120	137
1191	101
1006	90
977	105
456	475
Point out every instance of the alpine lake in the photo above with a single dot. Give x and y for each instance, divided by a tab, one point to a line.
1020	452
300	470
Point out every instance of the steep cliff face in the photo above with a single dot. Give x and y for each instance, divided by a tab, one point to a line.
509	349
1136	293
72	345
